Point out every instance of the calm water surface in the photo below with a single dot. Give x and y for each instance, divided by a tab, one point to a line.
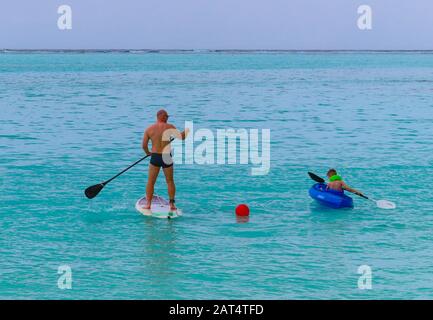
71	120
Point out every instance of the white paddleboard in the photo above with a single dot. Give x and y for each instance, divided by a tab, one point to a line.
160	208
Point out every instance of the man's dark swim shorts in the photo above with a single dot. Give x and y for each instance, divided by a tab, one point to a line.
157	160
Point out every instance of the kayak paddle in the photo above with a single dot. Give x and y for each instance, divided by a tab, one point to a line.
93	191
316	178
383	204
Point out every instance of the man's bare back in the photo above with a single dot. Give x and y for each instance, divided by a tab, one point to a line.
155	133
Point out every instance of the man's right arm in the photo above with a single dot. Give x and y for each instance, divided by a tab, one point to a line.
145	144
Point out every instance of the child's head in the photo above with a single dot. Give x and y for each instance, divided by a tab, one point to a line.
331	172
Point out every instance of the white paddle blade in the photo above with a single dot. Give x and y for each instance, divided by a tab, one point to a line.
385	204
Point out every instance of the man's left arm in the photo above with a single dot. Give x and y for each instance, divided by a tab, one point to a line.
178	134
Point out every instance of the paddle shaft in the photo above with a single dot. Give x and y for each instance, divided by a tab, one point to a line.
123	171
132	165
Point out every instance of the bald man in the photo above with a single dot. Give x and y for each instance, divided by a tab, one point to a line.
160	134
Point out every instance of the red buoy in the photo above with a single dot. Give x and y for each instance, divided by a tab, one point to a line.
242	210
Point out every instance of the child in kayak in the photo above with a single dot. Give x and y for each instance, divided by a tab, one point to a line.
337	183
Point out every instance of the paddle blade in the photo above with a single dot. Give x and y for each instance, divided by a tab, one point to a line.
316	177
385	204
93	191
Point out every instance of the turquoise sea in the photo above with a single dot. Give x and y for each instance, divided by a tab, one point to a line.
70	120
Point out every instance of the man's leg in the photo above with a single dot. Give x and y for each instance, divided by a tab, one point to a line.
168	172
151	179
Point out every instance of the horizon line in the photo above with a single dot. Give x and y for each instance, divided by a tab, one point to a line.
213	50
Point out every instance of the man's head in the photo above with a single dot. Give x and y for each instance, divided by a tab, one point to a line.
162	115
331	172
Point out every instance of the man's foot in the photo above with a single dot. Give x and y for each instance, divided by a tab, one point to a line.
148	205
172	205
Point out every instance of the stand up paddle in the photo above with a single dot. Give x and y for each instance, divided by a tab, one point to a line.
93	191
383	204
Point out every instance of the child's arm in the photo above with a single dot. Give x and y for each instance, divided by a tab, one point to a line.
346	187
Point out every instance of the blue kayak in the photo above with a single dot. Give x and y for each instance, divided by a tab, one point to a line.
330	198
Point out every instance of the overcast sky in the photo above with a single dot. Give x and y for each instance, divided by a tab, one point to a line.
216	24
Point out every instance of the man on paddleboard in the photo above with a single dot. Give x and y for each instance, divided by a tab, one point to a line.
160	134
337	183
